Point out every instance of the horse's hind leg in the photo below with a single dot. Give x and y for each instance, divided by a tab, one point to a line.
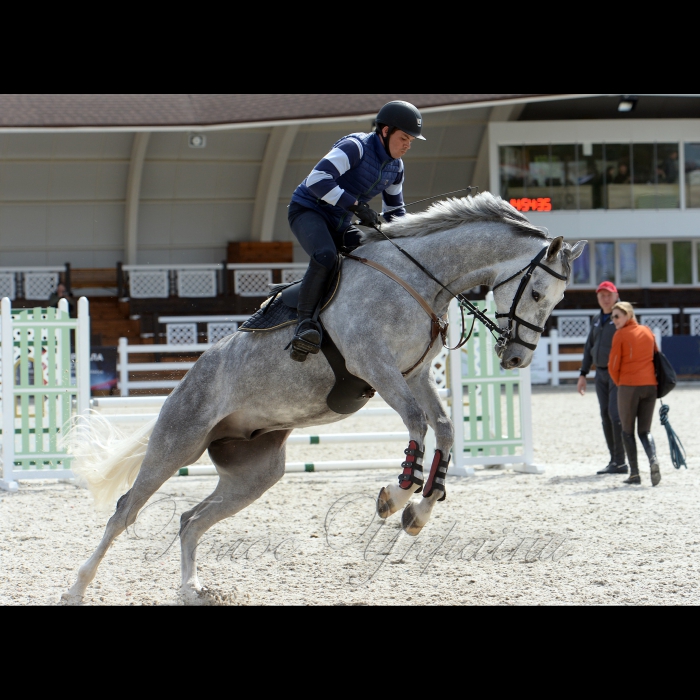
125	514
247	468
164	456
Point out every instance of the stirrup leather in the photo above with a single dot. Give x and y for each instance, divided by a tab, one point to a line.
436	479
412	468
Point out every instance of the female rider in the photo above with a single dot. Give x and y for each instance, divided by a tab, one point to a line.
631	366
358	167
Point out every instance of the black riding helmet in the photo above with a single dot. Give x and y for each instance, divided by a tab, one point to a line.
402	115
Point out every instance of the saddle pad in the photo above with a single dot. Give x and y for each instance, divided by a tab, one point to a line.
274	313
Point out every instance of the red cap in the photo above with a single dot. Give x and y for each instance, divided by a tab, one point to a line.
606	287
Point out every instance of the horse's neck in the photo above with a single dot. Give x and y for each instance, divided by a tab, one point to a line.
468	257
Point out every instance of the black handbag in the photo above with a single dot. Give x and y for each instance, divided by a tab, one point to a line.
665	374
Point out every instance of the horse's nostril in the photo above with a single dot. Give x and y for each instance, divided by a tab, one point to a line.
514	361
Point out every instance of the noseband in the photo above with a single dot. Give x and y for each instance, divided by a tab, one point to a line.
512	317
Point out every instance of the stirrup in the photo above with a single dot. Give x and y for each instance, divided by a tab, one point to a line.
306	345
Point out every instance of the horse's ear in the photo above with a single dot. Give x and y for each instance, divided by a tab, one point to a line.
554	248
576	250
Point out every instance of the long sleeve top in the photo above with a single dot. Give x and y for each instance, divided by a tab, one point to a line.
631	360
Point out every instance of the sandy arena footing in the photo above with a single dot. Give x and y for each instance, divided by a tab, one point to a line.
565	537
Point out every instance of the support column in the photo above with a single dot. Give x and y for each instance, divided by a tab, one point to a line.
267	197
505	113
133	195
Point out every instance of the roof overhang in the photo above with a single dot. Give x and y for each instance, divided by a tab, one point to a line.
41	113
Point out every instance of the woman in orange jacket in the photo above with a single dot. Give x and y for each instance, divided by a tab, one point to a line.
631	366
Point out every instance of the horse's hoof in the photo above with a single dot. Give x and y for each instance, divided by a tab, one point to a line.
70	599
409	521
385	506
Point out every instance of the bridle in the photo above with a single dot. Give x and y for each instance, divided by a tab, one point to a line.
511	315
503	336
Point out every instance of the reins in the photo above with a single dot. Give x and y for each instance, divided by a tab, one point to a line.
503	336
462	301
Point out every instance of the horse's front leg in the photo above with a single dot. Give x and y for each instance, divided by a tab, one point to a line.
416	515
395	391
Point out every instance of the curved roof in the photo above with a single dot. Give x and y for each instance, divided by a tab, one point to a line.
158	110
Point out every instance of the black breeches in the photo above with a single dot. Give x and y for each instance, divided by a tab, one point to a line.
316	236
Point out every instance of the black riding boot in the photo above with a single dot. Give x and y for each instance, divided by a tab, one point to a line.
307	337
613	436
631	449
650	448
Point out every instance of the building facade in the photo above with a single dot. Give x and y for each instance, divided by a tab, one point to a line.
172	179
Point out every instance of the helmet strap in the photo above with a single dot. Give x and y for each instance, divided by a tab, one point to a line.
385	140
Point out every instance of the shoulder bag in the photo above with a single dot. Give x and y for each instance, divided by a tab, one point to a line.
665	374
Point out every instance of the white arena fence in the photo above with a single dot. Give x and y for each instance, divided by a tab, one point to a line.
156	402
490	408
492	419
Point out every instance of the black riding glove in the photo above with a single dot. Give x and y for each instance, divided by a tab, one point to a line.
366	215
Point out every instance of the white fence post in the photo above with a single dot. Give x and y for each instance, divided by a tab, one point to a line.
8	408
457	467
554	355
83	356
123	358
525	391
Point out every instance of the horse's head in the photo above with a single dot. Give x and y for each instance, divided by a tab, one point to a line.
525	297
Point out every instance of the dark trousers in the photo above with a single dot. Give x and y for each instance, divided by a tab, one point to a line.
317	237
606	391
636	403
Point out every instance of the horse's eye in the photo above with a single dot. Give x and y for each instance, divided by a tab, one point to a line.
535	295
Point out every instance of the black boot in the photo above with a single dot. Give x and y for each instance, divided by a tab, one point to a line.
613	437
631	449
619	446
307	337
650	448
614	468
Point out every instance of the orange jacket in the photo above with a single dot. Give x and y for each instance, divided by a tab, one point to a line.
631	360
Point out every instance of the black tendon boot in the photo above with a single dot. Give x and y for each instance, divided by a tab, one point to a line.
631	449
307	337
650	448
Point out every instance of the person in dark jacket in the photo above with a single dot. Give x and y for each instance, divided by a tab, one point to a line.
596	352
357	168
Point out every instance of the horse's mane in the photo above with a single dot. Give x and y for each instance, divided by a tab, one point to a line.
454	212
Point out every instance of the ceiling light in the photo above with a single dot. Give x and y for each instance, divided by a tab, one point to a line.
627	103
197	140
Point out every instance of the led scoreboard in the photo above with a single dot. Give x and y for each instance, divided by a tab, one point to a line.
527	204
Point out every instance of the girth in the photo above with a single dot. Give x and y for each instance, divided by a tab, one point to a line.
438	325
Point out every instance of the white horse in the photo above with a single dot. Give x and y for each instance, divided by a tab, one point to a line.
244	396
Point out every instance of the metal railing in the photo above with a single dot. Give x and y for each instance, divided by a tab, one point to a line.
206	280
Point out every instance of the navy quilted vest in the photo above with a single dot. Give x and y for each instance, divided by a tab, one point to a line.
370	177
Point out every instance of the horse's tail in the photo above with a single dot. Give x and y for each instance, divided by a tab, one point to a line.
104	459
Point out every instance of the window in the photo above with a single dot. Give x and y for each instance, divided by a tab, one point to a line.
628	263
595	176
692	175
604	262
582	267
659	263
682	262
617	262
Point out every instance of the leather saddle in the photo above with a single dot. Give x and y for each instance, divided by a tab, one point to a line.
350	393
